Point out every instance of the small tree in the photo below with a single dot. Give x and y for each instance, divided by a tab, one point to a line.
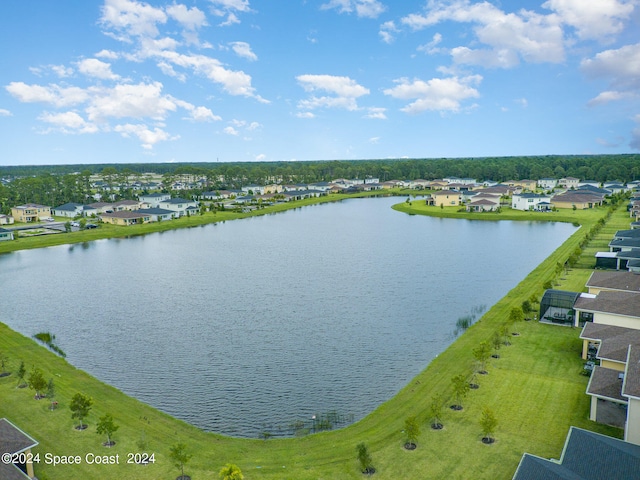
80	407
516	315
67	226
107	427
460	390
231	472
22	372
37	382
3	365
496	343
482	354
364	459
488	423
178	454
51	394
412	432
435	409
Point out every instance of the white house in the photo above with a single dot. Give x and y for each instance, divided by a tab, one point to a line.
154	199
178	205
71	210
547	183
569	182
530	202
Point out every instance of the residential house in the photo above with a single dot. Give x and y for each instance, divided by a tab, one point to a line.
253	189
524	184
569	182
438	185
275	188
531	202
14	441
591	183
179	206
72	210
624	244
6	220
586	456
154	199
125	218
502	190
5	234
577	199
102	207
483	205
156	214
547	183
126	205
618	308
447	198
30	212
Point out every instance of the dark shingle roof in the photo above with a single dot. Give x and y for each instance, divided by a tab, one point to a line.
631	385
615	280
620	303
586	456
614	341
606	382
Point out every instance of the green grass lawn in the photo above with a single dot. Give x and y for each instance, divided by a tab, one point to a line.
535	389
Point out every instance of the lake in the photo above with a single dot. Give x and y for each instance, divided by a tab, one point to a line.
249	326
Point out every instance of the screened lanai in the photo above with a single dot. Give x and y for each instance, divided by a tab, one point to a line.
556	306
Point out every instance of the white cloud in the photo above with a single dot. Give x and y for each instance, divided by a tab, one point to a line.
430	48
363	8
147	137
52	94
243	49
305	115
130	18
610	96
230	131
144	100
260	157
239	5
108	54
601	19
68	122
523	102
376	113
437	94
189	18
345	91
5	113
620	66
92	67
62	71
510	37
203	114
387	29
374	140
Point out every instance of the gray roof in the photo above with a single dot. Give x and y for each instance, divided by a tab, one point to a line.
631	386
177	200
633	233
68	207
13	440
156	211
586	456
619	303
615	280
614	341
633	242
606	382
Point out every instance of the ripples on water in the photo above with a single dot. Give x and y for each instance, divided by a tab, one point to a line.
248	326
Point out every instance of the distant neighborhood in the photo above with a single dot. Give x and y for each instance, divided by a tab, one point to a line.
542	195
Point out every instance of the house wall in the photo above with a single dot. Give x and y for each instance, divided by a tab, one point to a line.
449	200
6	236
617	320
632	428
613	365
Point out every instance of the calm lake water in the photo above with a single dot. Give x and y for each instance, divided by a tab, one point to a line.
248	326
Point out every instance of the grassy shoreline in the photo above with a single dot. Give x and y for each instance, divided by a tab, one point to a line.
535	389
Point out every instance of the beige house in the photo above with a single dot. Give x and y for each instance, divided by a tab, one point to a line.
30	212
620	309
6	220
125	218
523	184
14	441
581	200
613	281
447	198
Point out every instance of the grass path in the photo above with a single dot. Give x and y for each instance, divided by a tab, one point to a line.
535	390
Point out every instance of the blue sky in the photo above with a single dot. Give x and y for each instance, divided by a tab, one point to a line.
244	80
